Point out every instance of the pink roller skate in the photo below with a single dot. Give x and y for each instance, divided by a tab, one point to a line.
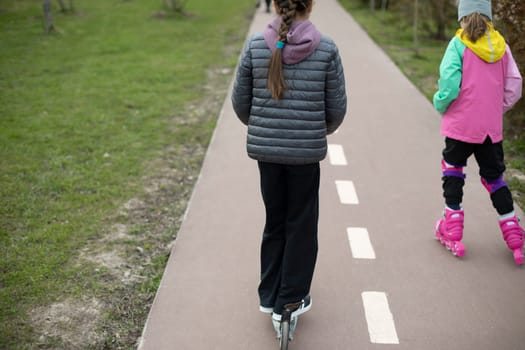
513	235
449	231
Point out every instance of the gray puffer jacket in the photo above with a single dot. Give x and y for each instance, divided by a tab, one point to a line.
291	130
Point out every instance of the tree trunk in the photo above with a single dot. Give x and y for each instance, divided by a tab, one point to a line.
416	18
48	20
63	7
174	5
441	21
178	5
170	5
372	5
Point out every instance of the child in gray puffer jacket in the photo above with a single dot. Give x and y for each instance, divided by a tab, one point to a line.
289	90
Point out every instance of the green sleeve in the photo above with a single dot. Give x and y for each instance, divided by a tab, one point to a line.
450	71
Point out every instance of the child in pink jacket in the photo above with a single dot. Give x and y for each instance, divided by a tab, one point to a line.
479	81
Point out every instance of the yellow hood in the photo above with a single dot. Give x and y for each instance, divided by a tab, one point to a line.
490	48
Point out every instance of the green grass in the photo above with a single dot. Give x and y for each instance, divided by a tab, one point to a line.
83	111
421	65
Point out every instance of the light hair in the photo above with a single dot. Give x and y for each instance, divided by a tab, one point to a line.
474	26
288	10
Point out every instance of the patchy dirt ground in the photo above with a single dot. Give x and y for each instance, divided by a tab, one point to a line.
69	320
129	257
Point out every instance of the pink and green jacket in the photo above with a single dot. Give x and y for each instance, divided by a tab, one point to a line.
478	82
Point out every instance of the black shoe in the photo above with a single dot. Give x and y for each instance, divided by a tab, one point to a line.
305	306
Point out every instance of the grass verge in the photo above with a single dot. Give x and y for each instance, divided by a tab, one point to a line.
104	126
421	65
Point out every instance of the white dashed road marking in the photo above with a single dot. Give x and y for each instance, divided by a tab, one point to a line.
346	191
337	155
360	243
380	320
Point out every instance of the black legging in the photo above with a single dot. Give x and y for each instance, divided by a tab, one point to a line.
490	159
268	2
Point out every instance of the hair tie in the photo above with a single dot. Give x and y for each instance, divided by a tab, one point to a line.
280	44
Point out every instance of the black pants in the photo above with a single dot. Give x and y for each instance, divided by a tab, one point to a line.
268	2
490	159
289	244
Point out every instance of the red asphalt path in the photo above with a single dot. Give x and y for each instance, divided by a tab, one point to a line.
208	295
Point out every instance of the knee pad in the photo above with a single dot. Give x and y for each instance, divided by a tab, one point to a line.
452	170
493	185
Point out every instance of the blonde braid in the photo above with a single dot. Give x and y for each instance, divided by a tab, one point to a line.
288	11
